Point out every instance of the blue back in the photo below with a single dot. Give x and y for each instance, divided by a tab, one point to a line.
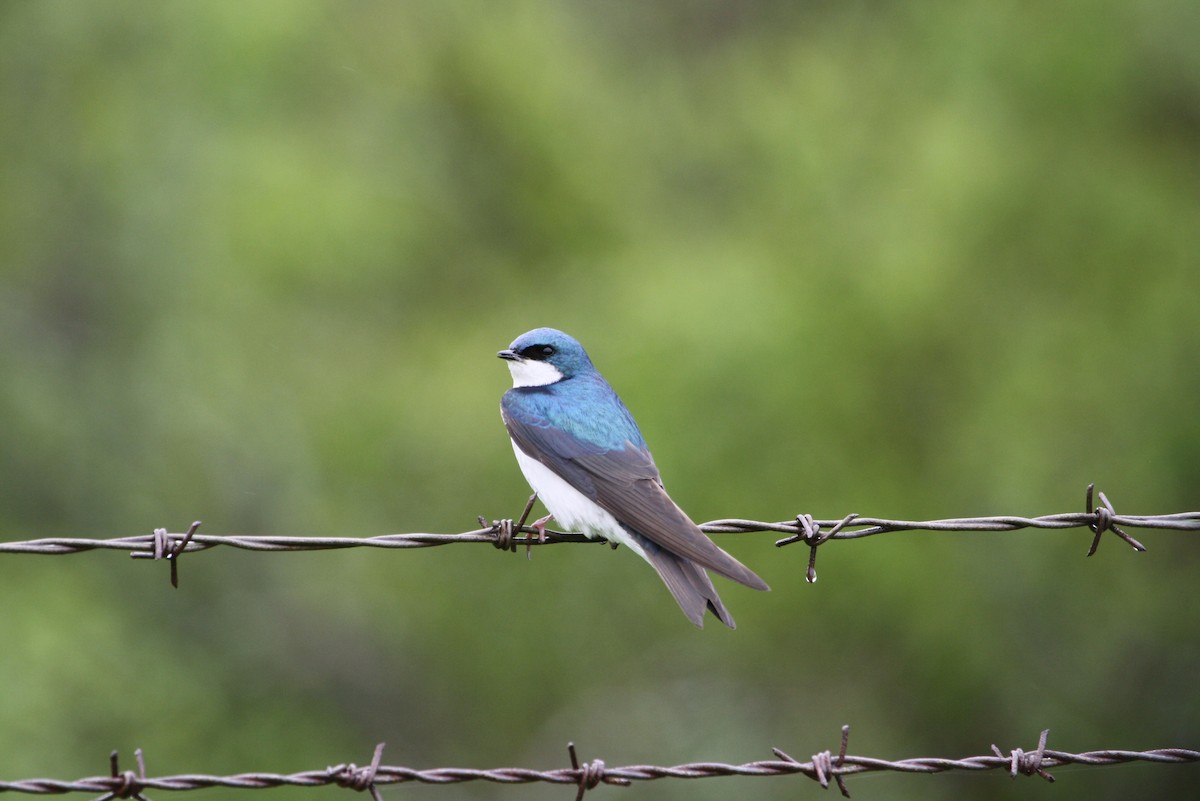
583	406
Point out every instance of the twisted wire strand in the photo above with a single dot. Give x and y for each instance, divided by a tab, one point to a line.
162	544
585	776
507	534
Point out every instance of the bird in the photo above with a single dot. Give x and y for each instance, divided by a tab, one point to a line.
586	459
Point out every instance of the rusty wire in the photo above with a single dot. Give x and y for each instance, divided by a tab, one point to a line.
507	534
822	768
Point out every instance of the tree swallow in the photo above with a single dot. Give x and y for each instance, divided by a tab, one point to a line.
585	457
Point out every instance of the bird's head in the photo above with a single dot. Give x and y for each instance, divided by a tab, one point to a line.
545	356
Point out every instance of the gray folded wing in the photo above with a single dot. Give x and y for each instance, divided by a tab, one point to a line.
625	482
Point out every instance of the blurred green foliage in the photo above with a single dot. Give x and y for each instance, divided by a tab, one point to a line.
907	260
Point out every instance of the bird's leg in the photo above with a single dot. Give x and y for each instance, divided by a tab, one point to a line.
540	526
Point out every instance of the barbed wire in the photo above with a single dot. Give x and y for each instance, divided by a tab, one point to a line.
508	535
823	767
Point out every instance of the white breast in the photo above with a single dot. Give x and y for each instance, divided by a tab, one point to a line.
570	507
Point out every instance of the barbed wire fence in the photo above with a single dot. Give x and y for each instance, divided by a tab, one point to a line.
823	768
508	534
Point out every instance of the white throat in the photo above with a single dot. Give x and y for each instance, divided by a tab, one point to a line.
532	373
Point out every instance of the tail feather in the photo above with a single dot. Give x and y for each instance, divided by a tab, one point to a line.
689	584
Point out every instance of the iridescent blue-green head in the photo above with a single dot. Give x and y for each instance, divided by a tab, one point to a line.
545	356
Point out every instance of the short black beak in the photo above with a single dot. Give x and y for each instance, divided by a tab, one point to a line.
510	355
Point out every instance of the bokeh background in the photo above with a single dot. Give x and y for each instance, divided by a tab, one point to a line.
905	260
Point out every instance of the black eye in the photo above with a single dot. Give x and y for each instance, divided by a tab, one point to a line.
538	352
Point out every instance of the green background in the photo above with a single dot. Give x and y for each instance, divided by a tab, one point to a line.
907	260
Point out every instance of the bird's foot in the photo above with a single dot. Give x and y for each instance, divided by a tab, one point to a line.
539	525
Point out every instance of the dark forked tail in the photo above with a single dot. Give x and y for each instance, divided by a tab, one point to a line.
689	584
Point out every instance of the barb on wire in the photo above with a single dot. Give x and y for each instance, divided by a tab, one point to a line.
823	765
507	535
166	548
591	774
821	768
1106	521
356	778
504	530
127	784
1028	764
813	536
